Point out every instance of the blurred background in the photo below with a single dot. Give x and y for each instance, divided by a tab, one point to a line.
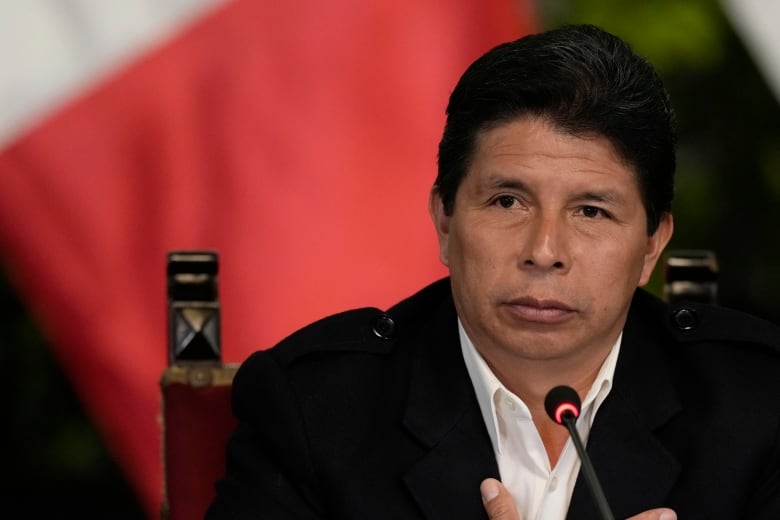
96	186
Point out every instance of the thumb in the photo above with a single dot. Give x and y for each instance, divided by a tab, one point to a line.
499	504
656	514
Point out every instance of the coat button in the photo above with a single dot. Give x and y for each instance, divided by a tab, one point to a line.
384	326
685	318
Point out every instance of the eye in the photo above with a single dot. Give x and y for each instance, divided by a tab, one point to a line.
506	201
594	212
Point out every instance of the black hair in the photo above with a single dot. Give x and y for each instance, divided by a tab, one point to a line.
586	82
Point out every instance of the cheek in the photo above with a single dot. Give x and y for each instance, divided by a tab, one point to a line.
634	267
613	262
469	257
477	253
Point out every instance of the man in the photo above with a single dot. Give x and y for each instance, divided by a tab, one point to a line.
552	206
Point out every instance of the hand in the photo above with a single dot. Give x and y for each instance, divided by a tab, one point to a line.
656	514
498	502
500	505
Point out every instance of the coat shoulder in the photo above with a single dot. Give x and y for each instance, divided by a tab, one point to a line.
367	329
700	322
694	322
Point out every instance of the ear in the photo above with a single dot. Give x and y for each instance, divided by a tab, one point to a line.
441	221
656	243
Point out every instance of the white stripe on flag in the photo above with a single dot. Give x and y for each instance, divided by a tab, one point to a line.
756	22
51	50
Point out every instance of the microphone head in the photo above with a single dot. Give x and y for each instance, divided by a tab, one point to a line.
561	401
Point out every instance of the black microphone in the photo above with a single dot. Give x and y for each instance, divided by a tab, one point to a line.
563	406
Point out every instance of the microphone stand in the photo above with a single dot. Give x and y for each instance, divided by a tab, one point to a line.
568	420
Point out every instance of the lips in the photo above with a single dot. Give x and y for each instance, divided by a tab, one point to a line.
540	311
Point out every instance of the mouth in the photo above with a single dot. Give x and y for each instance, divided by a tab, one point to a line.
540	311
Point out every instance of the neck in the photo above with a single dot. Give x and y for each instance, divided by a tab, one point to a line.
532	379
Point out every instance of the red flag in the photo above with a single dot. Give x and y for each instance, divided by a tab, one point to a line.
298	139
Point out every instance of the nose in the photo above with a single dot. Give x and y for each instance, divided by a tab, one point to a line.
546	245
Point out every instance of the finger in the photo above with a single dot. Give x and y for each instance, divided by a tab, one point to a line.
498	502
656	514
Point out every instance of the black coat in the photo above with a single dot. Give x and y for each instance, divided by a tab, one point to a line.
368	415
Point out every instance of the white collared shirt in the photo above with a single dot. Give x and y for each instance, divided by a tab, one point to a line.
540	492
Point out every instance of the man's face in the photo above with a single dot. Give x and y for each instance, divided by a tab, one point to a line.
546	243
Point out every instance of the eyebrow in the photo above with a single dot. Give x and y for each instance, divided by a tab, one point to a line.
498	181
606	196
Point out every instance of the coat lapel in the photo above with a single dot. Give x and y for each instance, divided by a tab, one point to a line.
443	415
635	470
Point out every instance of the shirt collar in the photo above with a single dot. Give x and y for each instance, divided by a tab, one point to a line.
488	388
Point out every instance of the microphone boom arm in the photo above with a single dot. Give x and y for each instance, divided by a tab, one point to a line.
587	468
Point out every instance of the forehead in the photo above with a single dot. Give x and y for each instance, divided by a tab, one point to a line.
528	145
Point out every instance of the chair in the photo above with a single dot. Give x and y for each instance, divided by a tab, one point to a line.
690	275
196	413
197	418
